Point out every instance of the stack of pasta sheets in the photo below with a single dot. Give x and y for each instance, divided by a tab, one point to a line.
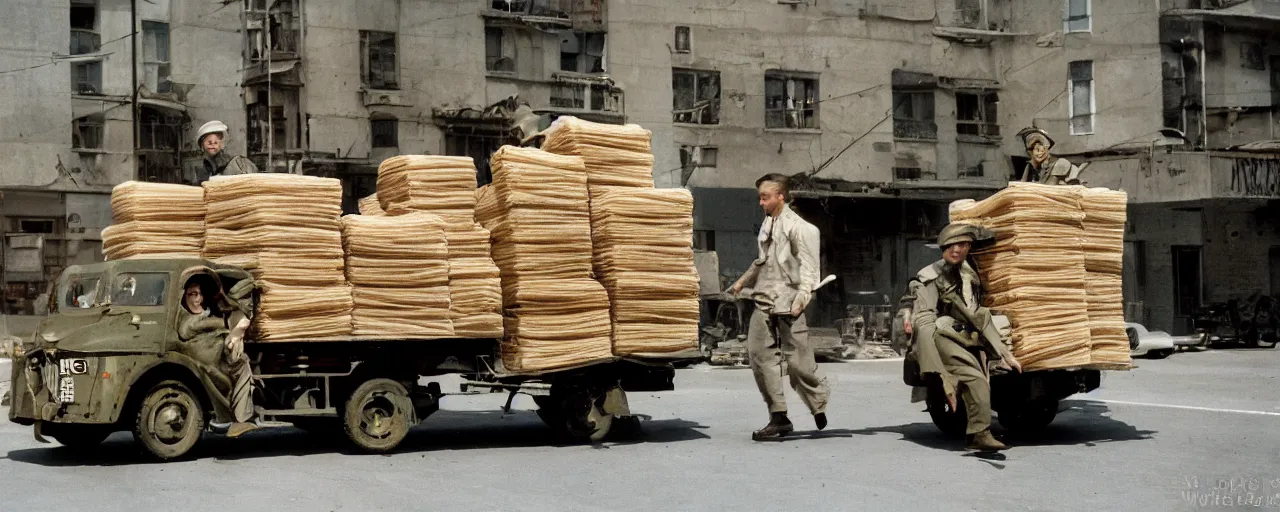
644	258
1105	215
1035	272
445	186
154	220
614	155
557	316
369	205
398	268
285	229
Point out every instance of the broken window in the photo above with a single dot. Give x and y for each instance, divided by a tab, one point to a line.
84	14
385	131
976	114
568	96
913	115
86	77
696	96
86	132
282	122
155	55
582	52
1082	100
378	65
275	27
684	43
499	50
907	173
159	129
84	41
790	100
969	13
1079	16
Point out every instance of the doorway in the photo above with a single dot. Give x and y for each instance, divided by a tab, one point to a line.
1275	271
1188	286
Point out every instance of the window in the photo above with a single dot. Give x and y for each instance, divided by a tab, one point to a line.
378	66
499	50
86	77
969	14
479	145
568	96
1081	106
907	173
155	55
582	96
84	15
84	41
696	96
581	52
1079	16
86	132
385	132
790	101
976	114
80	291
913	115
158	129
40	226
684	44
139	289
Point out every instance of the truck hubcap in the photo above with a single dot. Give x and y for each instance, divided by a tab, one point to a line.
377	417
170	421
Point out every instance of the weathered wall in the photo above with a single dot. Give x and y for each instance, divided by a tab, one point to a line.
1159	228
205	44
35	109
1238	239
1123	46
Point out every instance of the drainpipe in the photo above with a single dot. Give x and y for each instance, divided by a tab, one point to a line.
133	66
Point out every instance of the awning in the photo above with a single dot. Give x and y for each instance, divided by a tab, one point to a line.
163	104
1244	11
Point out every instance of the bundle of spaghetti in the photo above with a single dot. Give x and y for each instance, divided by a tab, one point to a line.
615	155
1035	271
556	316
1104	224
441	185
284	229
398	268
643	242
154	220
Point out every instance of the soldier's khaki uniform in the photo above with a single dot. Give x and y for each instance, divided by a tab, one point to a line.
223	164
954	336
783	277
212	332
1054	171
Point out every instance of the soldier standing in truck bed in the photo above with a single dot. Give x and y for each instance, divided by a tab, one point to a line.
953	335
1043	167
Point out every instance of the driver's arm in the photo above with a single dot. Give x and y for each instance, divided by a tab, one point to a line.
195	325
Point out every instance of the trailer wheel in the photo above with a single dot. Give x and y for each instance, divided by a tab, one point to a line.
377	415
578	414
1030	417
170	420
952	423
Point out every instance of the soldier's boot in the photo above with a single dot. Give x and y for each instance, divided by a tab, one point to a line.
778	426
984	441
239	428
820	420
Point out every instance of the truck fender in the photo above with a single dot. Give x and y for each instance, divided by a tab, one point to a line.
177	366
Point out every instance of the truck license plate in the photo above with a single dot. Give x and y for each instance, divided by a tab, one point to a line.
66	390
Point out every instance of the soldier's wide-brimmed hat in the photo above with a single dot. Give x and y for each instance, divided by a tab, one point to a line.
957	232
217	127
1028	135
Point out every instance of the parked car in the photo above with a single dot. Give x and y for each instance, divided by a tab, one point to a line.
1152	344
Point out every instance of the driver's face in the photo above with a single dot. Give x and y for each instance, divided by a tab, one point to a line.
194	299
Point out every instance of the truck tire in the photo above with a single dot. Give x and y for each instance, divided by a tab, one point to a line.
952	423
170	420
80	437
377	416
576	415
1030	417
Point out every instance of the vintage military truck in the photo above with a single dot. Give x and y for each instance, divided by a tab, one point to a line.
108	359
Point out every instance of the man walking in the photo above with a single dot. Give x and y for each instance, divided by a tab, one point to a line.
782	280
954	335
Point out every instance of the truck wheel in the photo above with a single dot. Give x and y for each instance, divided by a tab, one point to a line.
170	420
1031	417
952	423
577	416
377	415
79	437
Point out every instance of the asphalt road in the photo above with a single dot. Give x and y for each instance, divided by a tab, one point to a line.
1197	426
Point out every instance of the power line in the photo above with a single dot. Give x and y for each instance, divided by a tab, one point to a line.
55	60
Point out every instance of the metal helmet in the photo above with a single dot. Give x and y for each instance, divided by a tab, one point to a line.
957	232
1029	134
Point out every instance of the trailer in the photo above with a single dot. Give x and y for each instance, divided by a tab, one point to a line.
98	366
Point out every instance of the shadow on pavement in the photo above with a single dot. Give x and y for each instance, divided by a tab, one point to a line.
445	430
1080	422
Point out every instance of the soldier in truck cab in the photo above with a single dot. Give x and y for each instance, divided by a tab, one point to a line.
201	322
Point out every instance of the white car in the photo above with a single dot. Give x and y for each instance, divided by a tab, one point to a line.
1153	344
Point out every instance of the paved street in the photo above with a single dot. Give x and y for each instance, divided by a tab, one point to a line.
1138	443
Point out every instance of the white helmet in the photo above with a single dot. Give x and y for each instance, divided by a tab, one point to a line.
211	127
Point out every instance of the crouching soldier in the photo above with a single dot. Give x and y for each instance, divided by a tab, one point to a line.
215	338
953	335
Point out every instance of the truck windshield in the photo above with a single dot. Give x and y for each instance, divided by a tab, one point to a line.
81	291
139	289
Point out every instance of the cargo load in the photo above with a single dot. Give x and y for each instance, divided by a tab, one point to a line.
398	268
1038	272
154	220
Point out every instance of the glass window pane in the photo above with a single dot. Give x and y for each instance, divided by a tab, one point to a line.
80	291
139	289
